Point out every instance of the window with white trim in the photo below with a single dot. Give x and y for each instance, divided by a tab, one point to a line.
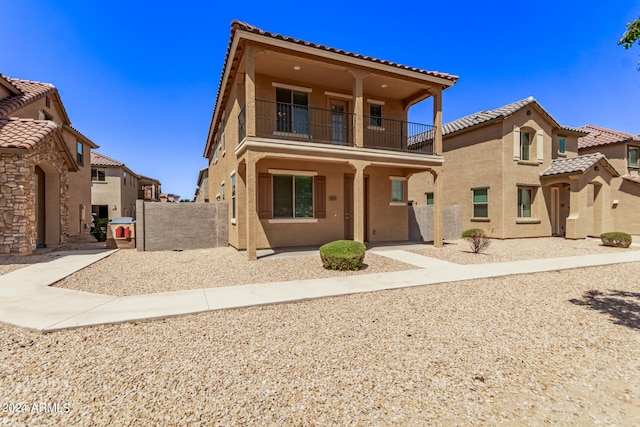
292	196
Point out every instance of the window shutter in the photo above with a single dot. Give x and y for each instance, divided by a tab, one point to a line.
320	197
264	196
540	146
516	143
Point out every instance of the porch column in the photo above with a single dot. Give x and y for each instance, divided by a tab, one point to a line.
437	176
573	226
358	202
250	90
252	208
358	107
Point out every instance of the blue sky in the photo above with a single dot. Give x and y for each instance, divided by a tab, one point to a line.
140	78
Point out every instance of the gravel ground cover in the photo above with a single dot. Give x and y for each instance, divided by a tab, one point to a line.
556	348
128	272
459	252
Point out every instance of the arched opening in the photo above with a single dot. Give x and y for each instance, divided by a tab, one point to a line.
47	205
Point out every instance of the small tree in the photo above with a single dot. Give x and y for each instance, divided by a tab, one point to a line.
477	239
631	35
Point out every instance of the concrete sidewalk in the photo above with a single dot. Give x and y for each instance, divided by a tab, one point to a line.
27	300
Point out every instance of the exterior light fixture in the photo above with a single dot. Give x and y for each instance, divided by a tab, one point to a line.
384	85
296	67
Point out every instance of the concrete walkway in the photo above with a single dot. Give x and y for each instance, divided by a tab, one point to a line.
27	300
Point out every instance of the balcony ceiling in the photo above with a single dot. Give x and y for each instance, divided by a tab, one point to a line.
335	77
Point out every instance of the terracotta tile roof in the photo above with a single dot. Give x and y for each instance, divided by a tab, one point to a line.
25	133
580	164
602	136
30	91
147	178
632	178
486	116
98	159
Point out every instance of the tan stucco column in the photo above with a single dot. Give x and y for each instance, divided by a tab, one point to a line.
437	176
573	224
252	209
358	107
250	90
358	203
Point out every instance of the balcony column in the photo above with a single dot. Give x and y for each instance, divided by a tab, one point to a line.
250	90
437	175
252	208
358	107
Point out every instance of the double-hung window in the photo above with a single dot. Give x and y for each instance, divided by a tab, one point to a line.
525	144
525	197
375	115
481	203
632	157
292	196
292	110
397	190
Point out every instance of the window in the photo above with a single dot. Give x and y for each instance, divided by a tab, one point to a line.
233	196
215	154
222	126
292	111
562	145
79	153
481	203
98	175
632	157
124	175
47	101
375	115
292	196
397	190
525	143
524	202
429	198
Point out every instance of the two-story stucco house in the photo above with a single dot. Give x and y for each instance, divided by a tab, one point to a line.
622	150
515	172
45	172
114	188
310	144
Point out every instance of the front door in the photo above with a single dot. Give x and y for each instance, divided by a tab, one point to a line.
348	206
338	122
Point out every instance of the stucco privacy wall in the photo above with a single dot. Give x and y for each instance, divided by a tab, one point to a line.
421	223
169	226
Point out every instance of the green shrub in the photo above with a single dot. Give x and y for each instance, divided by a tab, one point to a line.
99	230
616	239
342	255
477	239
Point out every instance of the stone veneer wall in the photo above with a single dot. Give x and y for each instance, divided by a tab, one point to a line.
18	226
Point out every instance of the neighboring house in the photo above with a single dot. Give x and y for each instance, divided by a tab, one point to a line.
623	152
149	189
45	175
202	192
310	144
515	171
114	188
169	198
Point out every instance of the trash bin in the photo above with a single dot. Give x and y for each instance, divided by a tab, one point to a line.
121	233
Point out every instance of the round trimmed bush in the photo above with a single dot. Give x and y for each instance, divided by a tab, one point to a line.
343	255
616	239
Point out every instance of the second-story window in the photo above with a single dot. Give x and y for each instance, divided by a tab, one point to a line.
125	178
632	157
98	175
79	153
375	115
562	145
292	111
525	144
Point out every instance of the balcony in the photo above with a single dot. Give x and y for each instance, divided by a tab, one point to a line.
336	127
